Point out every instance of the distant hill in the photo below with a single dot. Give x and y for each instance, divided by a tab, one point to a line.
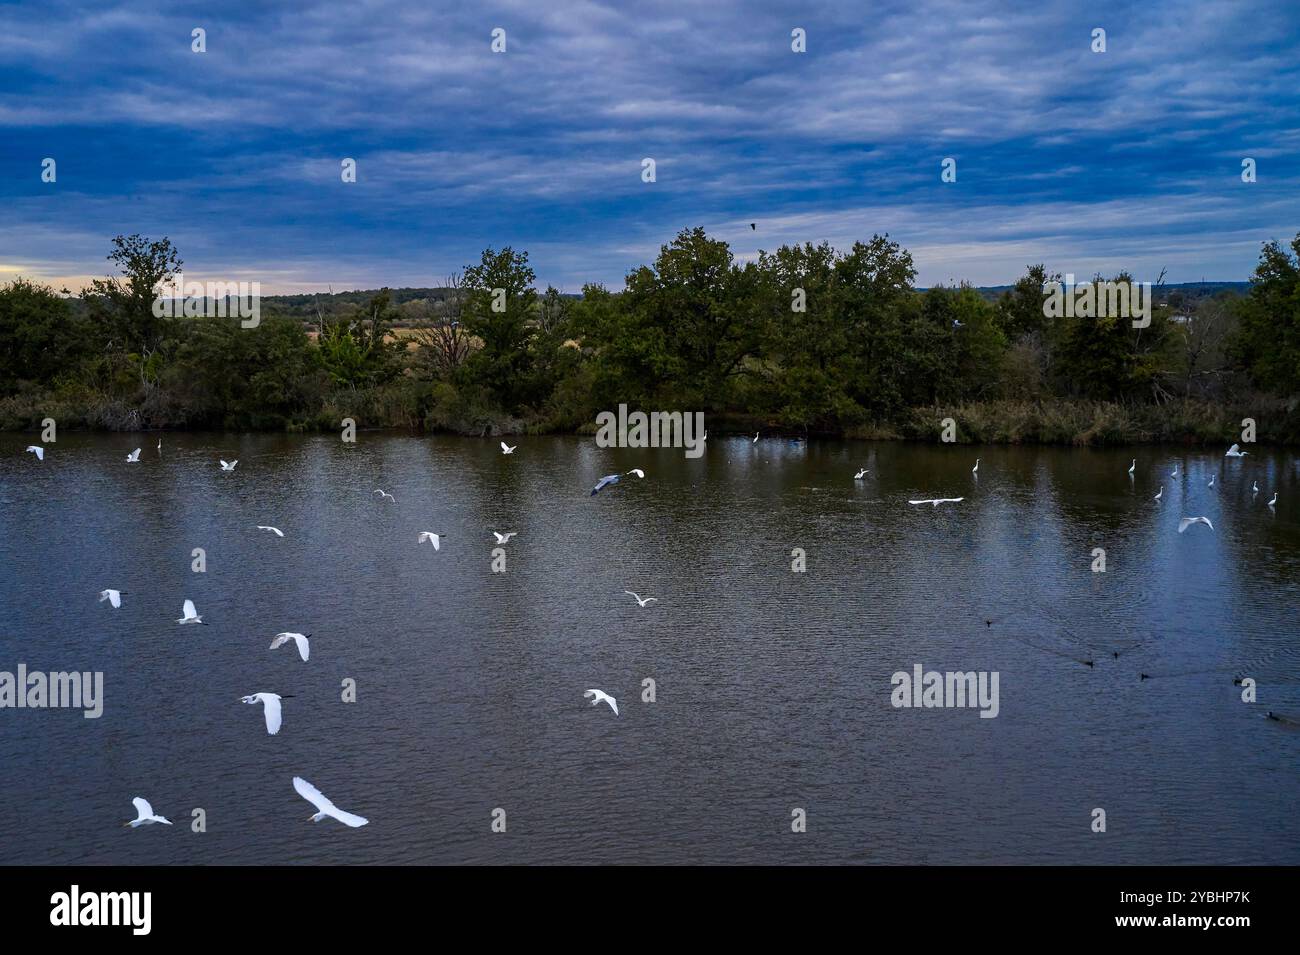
1189	290
417	305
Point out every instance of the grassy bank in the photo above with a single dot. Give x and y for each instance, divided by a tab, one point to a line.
403	406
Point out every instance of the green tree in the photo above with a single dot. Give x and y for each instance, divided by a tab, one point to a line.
225	376
1267	342
875	292
125	304
40	336
688	311
499	310
355	350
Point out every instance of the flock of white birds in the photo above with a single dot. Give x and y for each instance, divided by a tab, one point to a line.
272	710
271	702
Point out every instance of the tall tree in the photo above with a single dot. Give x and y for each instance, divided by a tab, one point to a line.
499	307
126	303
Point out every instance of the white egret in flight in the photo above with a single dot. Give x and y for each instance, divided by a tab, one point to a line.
860	475
270	708
274	530
431	537
936	501
642	600
1233	452
502	538
385	496
37	450
638	472
229	465
114	597
191	615
133	457
325	808
608	479
507	449
1187	522
599	696
300	639
144	815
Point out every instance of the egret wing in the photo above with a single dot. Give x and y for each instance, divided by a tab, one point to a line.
271	704
348	818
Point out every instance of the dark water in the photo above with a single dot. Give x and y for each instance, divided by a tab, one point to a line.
773	688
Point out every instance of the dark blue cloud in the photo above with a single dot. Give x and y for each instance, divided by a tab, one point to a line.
1127	159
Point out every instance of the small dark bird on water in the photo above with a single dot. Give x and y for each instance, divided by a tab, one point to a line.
1142	675
1088	662
753	226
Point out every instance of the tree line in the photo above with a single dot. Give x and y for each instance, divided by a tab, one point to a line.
806	339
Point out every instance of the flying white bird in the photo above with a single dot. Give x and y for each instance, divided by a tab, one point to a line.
114	597
502	538
431	537
1160	493
144	814
1211	484
304	648
191	615
638	472
133	457
270	708
976	468
507	449
600	696
860	475
1273	502
642	600
325	808
1133	467
229	465
385	496
603	482
1233	452
1187	522
274	530
936	501
37	450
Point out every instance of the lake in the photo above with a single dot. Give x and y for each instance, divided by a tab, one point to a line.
772	688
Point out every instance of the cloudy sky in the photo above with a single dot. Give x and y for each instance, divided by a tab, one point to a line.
1085	161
